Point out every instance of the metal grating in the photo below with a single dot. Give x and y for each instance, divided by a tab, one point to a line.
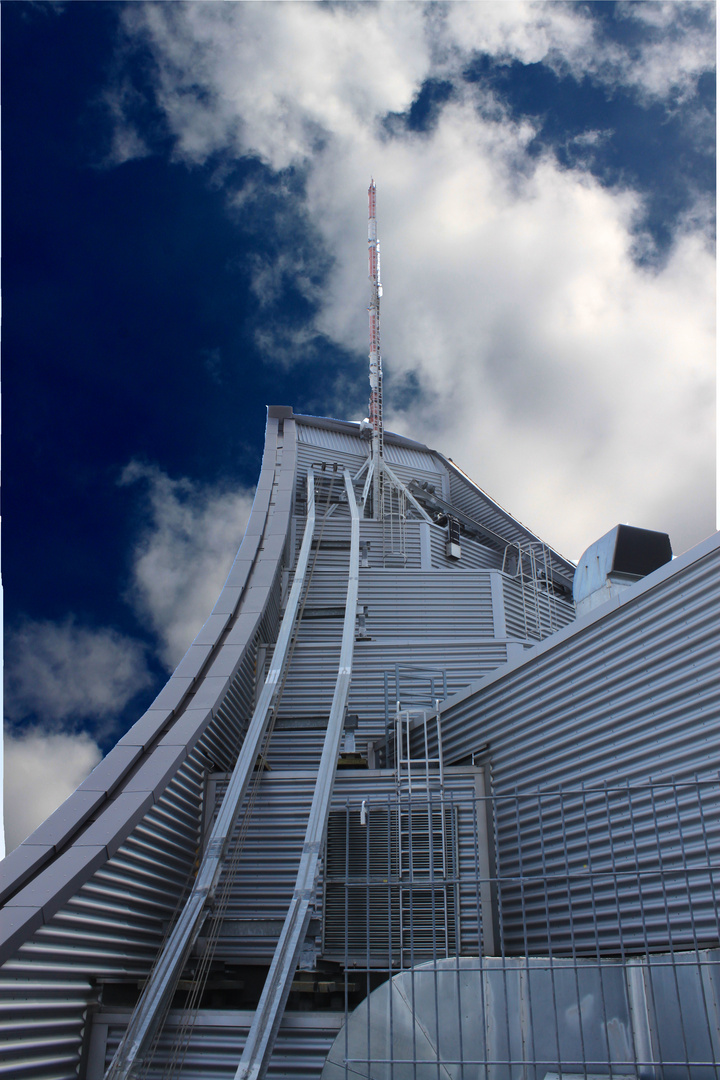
373	909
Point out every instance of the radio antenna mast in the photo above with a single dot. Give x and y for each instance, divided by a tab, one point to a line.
375	410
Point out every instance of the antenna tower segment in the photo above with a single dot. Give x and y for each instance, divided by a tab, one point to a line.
375	410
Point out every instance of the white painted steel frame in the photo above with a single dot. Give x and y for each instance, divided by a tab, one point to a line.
268	1014
160	987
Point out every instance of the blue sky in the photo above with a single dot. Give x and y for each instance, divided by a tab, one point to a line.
184	242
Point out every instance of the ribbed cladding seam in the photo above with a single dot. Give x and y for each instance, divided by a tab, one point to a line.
151	776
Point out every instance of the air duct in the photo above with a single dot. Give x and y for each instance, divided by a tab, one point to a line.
618	559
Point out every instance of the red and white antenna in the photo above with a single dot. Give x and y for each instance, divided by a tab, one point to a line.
375	417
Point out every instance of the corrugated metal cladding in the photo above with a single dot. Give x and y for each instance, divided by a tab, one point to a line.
107	925
111	929
631	694
411	458
216	1042
265	878
311	678
335	447
474	556
337	530
628	693
533	614
623	868
412	603
332	440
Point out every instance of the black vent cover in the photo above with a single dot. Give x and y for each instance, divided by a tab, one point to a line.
640	551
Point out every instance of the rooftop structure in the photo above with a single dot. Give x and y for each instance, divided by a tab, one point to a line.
401	811
503	782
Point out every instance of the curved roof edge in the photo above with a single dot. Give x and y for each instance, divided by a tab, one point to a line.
38	876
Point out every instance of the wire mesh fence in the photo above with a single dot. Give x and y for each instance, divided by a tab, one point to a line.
561	933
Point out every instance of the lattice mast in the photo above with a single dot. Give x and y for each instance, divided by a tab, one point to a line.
375	410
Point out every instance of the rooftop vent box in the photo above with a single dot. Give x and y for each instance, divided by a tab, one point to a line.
616	560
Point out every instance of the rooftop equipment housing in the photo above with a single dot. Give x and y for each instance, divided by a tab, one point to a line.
619	558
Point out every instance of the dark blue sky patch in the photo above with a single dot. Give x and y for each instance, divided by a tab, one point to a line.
406	391
620	140
424	111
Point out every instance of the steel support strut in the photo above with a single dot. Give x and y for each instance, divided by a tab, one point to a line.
158	991
268	1014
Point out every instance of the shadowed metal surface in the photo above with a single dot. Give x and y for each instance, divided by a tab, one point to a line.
501	1017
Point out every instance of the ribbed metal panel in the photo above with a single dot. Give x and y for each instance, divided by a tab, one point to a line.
311	677
272	845
474	555
336	531
628	695
403	458
412	466
621	696
411	603
417	461
481	507
217	1040
308	455
334	441
620	868
290	750
533	614
112	926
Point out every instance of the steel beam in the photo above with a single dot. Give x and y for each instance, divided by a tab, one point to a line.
150	1009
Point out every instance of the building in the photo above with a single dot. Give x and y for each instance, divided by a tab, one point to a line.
397	813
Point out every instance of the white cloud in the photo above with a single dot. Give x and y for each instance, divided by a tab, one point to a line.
183	557
275	81
672	46
567	380
41	770
572	383
64	672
